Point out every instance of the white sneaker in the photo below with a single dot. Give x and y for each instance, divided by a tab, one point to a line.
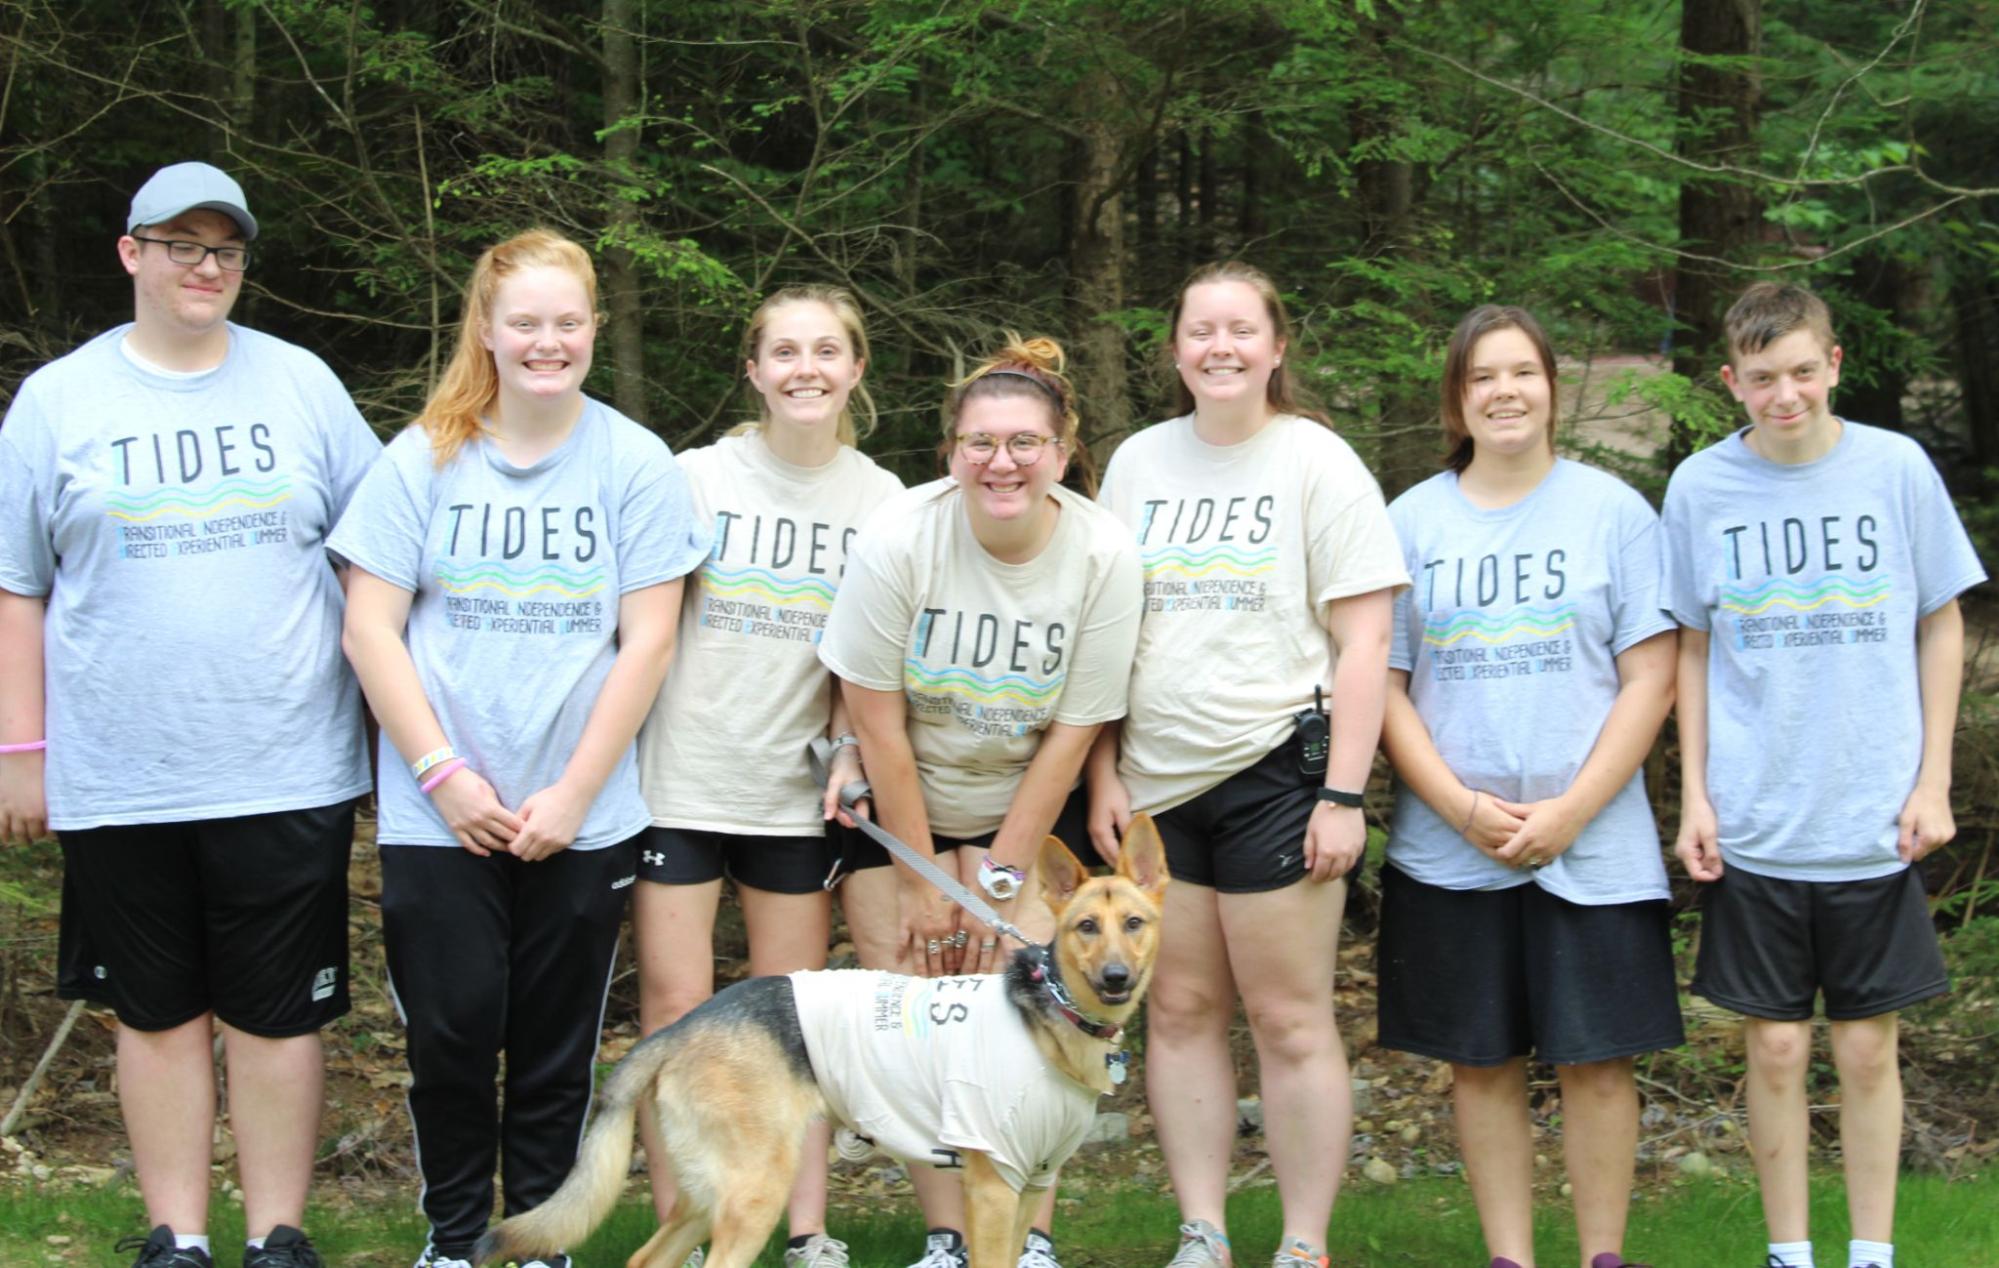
1202	1245
696	1259
431	1259
944	1250
821	1252
1038	1253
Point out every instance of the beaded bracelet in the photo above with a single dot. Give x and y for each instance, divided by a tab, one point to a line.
442	773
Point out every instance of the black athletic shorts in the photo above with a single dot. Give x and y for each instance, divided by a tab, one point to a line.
1769	946
1246	835
779	865
1482	976
1072	828
245	916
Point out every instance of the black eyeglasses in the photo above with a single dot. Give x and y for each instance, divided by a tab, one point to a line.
191	254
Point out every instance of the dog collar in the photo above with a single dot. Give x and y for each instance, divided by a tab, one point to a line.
1046	973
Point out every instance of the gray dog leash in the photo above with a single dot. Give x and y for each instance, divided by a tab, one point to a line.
851	793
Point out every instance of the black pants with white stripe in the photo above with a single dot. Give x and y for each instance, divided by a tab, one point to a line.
489	955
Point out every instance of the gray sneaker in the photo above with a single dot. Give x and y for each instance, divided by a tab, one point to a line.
1300	1253
819	1252
1202	1245
432	1257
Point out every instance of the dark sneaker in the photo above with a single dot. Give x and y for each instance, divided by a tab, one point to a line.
286	1247
943	1248
1039	1252
157	1250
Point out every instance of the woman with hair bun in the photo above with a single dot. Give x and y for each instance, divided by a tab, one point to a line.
722	759
517	560
1269	572
982	637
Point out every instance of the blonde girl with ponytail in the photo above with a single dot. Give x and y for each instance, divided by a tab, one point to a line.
722	757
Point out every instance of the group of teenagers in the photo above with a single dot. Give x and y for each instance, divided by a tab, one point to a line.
597	668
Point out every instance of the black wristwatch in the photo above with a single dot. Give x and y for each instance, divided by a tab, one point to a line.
1341	797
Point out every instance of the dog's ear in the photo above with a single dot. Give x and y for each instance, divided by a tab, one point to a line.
1142	856
1061	873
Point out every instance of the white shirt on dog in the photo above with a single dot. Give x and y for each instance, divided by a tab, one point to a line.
928	1067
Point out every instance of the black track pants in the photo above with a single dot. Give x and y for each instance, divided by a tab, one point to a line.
489	955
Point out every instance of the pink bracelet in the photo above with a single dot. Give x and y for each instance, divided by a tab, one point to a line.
443	773
31	746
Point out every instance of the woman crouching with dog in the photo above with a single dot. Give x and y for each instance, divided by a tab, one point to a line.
517	561
1524	903
1269	570
722	759
982	635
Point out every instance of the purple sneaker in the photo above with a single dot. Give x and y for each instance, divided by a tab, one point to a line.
1611	1259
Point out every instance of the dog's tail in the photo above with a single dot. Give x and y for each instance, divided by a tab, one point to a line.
594	1183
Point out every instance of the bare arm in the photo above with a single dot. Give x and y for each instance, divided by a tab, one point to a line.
648	629
24	814
372	637
1044	787
1926	821
1110	800
881	721
1645	673
1478	816
1359	626
1698	845
846	765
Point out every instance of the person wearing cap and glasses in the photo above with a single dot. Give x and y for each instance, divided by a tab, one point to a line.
175	706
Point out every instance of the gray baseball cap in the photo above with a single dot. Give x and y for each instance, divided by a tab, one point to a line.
190	187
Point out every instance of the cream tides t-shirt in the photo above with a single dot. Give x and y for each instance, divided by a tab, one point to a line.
986	653
1242	546
724	748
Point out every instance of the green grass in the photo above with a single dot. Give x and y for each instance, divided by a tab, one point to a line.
1704	1224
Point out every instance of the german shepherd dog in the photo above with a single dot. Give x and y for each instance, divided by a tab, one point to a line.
732	1087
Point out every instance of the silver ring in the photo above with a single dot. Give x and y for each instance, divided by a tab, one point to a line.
988	944
1537	861
935	946
959	938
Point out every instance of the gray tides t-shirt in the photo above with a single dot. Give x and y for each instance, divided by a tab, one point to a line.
516	573
177	526
1510	632
1809	580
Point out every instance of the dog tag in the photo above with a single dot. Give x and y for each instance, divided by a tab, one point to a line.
1115	1063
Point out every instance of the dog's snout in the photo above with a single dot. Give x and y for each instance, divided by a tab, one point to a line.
1117	976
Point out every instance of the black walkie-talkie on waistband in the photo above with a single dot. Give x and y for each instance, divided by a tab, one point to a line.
1315	736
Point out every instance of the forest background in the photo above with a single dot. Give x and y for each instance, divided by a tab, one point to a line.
1621	167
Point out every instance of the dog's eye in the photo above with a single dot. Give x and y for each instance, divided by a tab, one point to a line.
1087	924
1132	924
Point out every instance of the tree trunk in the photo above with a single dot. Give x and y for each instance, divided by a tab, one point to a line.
243	71
1975	305
1096	267
621	150
1719	216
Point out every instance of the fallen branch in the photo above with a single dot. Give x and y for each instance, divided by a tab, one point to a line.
20	1105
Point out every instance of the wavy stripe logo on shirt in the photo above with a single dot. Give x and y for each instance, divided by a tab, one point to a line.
1529	621
1000	689
1781	593
180	499
1181	561
766	586
517	583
